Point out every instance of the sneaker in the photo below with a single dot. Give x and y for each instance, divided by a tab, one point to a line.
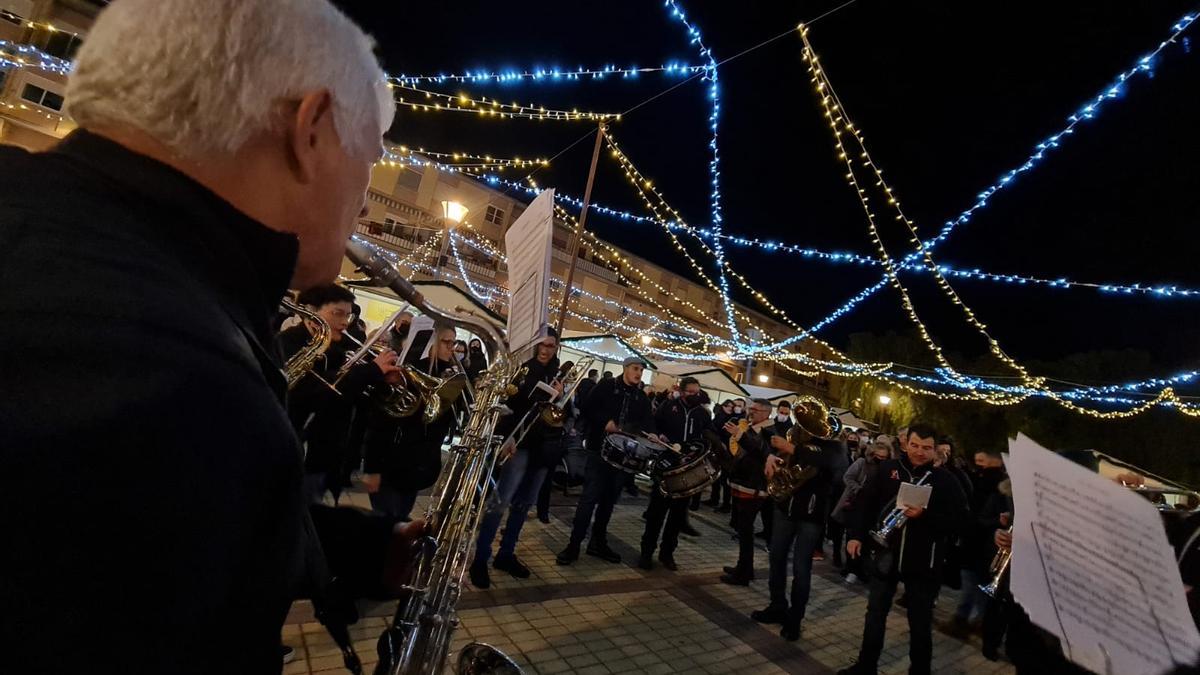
735	580
479	576
851	578
288	653
512	565
790	630
769	615
689	531
568	555
645	562
603	552
668	562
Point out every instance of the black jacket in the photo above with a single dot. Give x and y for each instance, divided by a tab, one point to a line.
544	443
810	502
750	461
920	547
613	400
321	416
407	452
679	423
142	393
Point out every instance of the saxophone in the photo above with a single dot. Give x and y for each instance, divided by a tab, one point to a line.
418	641
304	360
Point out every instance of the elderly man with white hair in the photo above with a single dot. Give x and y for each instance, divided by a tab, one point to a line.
150	482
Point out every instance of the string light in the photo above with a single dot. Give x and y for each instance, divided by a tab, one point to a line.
551	74
28	56
36	25
1089	110
492	107
469	157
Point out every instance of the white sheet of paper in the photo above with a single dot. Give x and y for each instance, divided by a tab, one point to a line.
913	495
528	244
1091	564
418	324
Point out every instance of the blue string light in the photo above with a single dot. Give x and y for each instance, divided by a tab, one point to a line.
552	74
28	56
714	165
1088	111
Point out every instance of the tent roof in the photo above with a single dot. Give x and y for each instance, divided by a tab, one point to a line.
710	378
605	346
770	393
445	295
849	419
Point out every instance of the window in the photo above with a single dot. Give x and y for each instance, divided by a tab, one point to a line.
494	215
410	178
42	97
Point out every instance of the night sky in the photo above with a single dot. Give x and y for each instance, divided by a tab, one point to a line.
949	95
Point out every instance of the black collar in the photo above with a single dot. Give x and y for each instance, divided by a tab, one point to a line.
251	264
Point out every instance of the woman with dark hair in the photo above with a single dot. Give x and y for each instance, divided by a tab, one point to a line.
476	361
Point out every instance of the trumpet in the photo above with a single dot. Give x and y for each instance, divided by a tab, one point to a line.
895	520
998	570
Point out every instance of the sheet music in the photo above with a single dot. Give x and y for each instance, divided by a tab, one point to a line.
913	495
1091	564
420	324
528	244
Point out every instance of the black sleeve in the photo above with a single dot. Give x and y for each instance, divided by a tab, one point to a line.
643	403
358	378
867	505
594	407
949	515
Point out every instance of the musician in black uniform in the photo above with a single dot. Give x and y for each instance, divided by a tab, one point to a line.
796	524
521	475
615	404
320	415
914	555
748	483
679	421
404	455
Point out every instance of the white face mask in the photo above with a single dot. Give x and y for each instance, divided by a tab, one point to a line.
459	356
675	394
737	410
782	417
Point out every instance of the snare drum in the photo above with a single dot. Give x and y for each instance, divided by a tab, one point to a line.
685	474
629	453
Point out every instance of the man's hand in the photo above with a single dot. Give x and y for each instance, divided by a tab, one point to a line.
853	548
782	446
773	464
371	482
386	361
734	431
913	512
558	386
611	427
1003	539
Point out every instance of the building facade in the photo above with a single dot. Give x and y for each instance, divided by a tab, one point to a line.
621	290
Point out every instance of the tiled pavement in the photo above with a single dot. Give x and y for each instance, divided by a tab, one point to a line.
595	617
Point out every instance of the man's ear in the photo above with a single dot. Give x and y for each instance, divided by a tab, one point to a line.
309	127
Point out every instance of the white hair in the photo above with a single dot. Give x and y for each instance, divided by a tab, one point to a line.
204	76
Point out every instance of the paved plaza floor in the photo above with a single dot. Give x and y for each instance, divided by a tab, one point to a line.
594	617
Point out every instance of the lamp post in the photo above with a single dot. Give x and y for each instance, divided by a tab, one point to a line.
453	213
763	379
884	400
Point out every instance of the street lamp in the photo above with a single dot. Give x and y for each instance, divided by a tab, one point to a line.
453	213
763	379
884	400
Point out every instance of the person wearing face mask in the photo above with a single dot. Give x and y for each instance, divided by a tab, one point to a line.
783	418
681	419
861	472
722	415
476	359
398	332
913	556
748	483
975	550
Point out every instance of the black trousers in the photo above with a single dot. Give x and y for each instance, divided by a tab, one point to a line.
745	512
767	508
674	512
543	500
921	591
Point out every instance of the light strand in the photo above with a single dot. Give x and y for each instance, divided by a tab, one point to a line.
493	107
552	74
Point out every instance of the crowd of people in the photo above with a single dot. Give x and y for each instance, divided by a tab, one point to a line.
847	482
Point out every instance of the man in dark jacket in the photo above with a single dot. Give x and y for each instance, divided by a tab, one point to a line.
615	404
521	475
320	415
750	445
404	455
679	421
976	550
797	523
913	555
143	259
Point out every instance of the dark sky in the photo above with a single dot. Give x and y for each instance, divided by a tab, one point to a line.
949	95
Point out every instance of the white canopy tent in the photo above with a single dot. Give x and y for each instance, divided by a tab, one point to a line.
607	349
770	393
714	381
849	419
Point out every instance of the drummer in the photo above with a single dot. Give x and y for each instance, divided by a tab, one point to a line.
614	404
679	420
